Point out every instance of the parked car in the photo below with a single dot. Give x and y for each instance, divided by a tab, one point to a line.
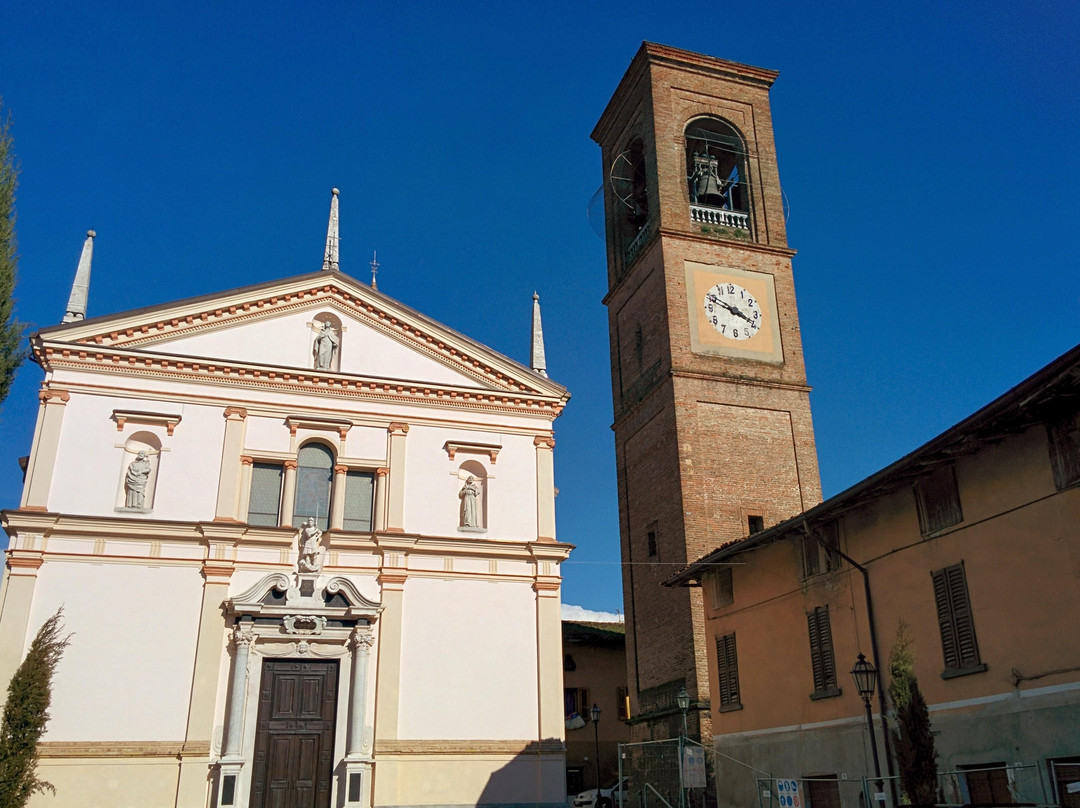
611	796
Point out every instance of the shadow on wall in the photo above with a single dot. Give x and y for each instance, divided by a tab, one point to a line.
535	777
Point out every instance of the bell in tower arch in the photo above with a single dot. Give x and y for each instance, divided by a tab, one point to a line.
706	187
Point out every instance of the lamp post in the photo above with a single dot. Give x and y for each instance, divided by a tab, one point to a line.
684	704
865	675
595	712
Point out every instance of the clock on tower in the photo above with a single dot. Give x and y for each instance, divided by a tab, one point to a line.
712	411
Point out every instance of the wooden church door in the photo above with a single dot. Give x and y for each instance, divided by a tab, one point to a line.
294	744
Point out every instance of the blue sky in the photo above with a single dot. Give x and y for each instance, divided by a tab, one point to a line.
928	151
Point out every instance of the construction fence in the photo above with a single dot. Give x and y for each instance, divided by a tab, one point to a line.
681	773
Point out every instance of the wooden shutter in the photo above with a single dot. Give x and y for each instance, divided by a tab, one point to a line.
937	499
727	669
811	556
822	658
1065	450
958	644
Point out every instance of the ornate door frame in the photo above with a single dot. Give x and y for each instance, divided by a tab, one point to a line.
301	616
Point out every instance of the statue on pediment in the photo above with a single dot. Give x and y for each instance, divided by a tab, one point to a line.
326	345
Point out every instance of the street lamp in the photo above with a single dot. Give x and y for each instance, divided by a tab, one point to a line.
595	711
865	675
684	704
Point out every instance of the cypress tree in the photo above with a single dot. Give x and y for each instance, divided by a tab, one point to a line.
26	713
11	330
912	736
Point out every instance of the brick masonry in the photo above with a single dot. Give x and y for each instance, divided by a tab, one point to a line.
702	441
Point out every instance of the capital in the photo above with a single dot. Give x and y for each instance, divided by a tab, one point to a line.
363	639
60	396
243	636
544	440
398	428
235	413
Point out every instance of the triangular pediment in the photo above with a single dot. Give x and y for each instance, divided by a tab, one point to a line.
270	329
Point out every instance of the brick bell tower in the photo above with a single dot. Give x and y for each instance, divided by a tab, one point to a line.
713	433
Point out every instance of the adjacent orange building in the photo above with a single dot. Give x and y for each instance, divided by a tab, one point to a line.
973	540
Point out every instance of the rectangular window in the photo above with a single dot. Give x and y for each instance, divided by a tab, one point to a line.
622	701
811	554
727	668
755	524
937	500
650	537
1065	450
829	534
576	700
721	593
359	501
958	644
264	503
822	658
987	784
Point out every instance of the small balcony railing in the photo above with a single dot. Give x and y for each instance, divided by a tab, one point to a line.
702	214
639	241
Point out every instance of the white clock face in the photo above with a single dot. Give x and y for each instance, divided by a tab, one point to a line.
732	311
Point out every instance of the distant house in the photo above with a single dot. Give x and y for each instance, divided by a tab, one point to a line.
594	673
973	540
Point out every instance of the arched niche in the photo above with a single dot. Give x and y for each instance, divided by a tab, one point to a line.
326	341
716	171
473	493
139	466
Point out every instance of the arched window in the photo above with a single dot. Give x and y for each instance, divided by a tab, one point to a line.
314	481
139	472
716	174
628	179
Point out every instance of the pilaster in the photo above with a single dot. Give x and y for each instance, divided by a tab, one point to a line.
545	488
549	657
337	498
388	670
230	481
20	578
44	449
192	787
395	504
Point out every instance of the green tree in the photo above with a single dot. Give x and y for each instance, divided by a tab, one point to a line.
26	713
912	735
11	330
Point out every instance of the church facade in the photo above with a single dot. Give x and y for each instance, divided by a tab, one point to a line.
305	539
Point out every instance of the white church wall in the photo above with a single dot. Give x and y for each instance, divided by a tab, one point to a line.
287	341
468	660
509	501
127	674
91	458
266	434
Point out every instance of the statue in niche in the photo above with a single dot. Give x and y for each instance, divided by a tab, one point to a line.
326	345
135	480
470	500
311	550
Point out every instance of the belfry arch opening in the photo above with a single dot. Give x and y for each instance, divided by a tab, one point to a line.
716	174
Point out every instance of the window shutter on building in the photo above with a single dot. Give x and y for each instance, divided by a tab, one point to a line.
938	501
728	670
1065	450
958	643
822	658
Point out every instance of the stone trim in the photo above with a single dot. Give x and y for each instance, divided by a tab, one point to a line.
62	396
272	378
123	749
490	449
544	440
427	747
25	559
123	417
398	428
341	426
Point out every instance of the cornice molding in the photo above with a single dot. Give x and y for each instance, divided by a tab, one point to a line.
469	748
186	318
120	749
294	380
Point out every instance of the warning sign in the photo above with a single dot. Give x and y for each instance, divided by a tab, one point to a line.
790	793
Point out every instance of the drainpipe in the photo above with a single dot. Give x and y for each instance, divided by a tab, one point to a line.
874	652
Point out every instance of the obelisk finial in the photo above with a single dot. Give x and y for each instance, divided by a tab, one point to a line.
537	360
330	255
80	288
